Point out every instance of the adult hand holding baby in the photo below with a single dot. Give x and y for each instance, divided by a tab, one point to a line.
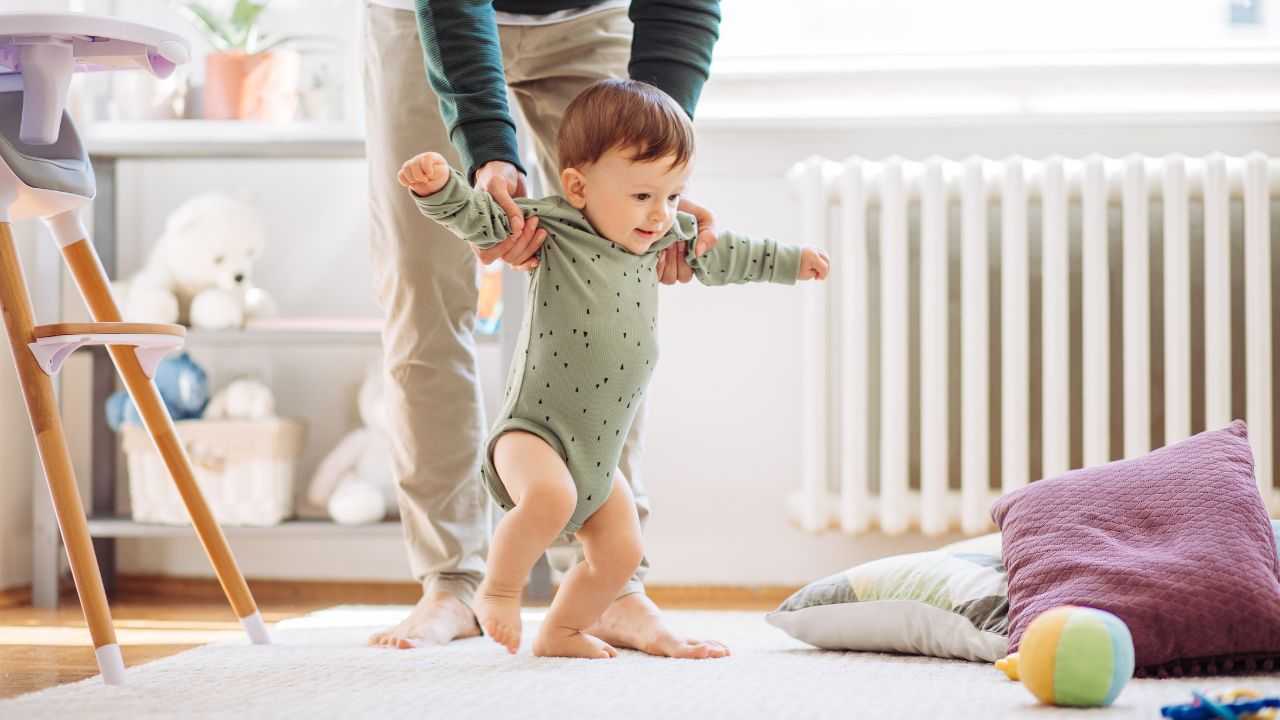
426	173
504	182
673	265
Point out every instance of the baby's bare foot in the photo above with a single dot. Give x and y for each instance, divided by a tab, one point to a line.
564	642
499	615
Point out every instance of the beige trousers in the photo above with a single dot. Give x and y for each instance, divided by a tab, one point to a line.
425	280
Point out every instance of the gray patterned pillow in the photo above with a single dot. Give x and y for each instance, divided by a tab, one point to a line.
946	603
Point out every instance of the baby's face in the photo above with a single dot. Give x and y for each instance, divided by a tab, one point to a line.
630	203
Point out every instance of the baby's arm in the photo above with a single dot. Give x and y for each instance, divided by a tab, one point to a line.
740	259
443	195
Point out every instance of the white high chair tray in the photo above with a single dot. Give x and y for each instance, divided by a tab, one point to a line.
99	43
151	348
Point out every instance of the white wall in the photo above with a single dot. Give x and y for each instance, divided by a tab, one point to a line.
930	27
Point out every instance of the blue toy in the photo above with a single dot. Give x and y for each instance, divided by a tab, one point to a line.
1230	705
183	385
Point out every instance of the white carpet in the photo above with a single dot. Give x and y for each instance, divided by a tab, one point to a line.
319	668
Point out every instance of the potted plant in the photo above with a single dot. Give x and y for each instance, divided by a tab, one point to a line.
250	75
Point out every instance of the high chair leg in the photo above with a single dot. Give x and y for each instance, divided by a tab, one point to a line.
46	423
91	280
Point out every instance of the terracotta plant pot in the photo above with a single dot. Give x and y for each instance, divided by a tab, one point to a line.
223	83
262	86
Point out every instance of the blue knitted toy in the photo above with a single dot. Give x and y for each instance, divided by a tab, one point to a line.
183	385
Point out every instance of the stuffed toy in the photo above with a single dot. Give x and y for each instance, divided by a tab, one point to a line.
242	399
184	388
200	271
354	480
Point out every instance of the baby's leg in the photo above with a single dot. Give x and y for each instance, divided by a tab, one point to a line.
544	495
612	549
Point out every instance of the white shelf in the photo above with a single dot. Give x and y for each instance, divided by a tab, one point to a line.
124	527
291	332
222	139
300	332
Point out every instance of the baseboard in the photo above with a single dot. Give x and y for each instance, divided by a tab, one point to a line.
269	592
158	588
720	596
280	592
16	597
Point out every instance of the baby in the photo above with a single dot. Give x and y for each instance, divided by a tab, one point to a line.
588	345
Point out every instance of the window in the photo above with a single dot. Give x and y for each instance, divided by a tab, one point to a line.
881	28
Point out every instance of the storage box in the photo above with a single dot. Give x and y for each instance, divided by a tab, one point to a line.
245	468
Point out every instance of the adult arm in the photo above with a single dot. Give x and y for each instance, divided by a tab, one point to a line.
463	58
671	46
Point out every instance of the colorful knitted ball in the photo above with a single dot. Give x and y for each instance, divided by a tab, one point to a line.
1076	656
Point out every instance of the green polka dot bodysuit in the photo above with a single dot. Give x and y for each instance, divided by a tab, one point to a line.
588	342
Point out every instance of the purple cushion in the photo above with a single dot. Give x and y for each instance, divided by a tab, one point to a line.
1177	544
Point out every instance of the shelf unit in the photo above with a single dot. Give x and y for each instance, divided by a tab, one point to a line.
254	337
185	140
123	527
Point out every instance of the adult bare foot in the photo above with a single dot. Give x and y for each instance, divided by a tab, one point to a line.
634	621
499	615
437	619
564	642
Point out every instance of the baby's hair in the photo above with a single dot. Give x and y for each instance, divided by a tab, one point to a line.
628	115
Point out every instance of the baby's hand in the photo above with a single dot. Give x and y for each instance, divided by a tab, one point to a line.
424	174
814	264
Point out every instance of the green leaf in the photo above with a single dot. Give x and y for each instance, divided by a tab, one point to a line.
205	19
244	16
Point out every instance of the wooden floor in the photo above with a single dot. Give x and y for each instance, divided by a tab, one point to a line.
43	648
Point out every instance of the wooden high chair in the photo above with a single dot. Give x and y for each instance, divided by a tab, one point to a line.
45	173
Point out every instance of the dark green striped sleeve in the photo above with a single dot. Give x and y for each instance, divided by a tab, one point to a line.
672	44
464	66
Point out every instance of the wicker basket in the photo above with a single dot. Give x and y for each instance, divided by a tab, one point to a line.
245	469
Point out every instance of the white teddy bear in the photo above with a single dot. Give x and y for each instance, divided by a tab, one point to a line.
242	399
199	272
354	481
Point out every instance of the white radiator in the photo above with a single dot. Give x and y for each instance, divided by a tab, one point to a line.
909	321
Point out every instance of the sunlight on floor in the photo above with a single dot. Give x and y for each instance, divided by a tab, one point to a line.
127	633
198	632
350	616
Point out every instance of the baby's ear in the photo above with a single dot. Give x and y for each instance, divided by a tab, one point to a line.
575	187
